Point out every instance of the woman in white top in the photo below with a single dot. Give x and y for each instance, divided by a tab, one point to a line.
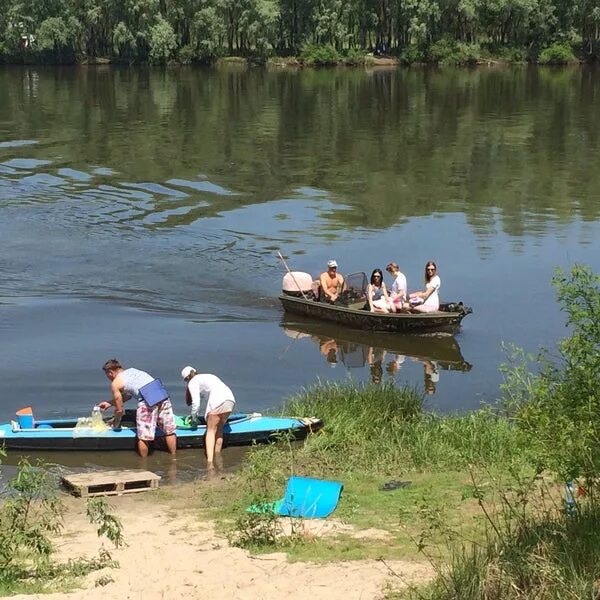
219	404
399	287
428	300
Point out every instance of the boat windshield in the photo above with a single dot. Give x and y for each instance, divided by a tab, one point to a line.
354	292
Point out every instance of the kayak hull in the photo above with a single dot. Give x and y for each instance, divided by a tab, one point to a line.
61	434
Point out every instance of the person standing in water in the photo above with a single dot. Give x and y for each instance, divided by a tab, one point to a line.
124	385
219	404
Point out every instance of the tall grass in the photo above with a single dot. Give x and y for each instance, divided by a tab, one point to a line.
380	428
547	556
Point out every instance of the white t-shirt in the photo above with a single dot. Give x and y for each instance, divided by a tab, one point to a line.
210	388
400	285
434	299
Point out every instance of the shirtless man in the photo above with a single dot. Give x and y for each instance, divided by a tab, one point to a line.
331	282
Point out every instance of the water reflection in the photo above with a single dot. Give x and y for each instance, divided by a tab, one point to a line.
384	354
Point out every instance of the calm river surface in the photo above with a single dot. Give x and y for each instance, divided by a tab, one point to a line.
140	213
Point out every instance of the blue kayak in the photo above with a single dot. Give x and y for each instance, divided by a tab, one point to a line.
63	434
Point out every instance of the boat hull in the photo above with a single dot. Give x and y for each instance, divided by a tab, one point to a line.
241	429
443	321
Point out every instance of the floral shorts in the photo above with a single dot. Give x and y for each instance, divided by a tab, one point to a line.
148	418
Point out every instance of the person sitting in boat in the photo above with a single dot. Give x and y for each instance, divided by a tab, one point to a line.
428	300
377	294
219	404
399	288
126	384
331	283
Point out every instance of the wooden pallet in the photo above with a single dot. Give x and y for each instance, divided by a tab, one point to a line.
110	483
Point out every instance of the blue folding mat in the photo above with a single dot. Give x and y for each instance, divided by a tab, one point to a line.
304	497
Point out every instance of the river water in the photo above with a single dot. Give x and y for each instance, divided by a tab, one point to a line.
141	211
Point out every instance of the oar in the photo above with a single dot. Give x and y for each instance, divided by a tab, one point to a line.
291	274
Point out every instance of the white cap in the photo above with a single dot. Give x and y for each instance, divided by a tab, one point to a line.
187	371
331	263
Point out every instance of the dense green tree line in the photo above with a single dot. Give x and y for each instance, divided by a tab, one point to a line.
185	30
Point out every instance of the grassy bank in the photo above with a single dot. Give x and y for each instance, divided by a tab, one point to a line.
476	502
372	435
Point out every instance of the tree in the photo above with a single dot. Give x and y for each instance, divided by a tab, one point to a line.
162	41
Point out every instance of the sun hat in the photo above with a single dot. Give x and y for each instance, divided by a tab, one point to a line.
331	263
187	371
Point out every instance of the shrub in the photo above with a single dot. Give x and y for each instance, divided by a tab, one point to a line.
449	52
186	54
162	41
31	513
313	54
557	54
513	54
413	54
558	407
354	57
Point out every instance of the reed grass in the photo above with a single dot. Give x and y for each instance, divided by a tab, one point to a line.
383	428
554	556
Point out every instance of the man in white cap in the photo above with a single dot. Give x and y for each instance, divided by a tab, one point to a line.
219	404
331	282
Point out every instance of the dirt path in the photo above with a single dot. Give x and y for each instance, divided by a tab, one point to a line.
173	555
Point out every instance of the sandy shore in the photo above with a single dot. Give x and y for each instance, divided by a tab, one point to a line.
172	554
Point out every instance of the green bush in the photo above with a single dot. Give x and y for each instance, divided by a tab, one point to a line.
354	57
186	54
557	407
511	54
533	551
162	41
31	514
313	54
557	54
448	52
413	54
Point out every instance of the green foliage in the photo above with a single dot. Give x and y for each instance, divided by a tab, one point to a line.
380	427
533	549
557	54
186	54
206	31
109	526
162	41
123	42
512	54
261	28
448	52
413	54
52	34
558	407
354	57
31	514
320	55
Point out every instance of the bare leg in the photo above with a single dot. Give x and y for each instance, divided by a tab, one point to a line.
212	424
219	439
171	443
143	447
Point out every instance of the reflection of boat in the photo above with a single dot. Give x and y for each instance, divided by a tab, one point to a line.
61	434
350	311
355	347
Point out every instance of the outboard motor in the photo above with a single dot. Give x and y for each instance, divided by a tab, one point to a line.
298	284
